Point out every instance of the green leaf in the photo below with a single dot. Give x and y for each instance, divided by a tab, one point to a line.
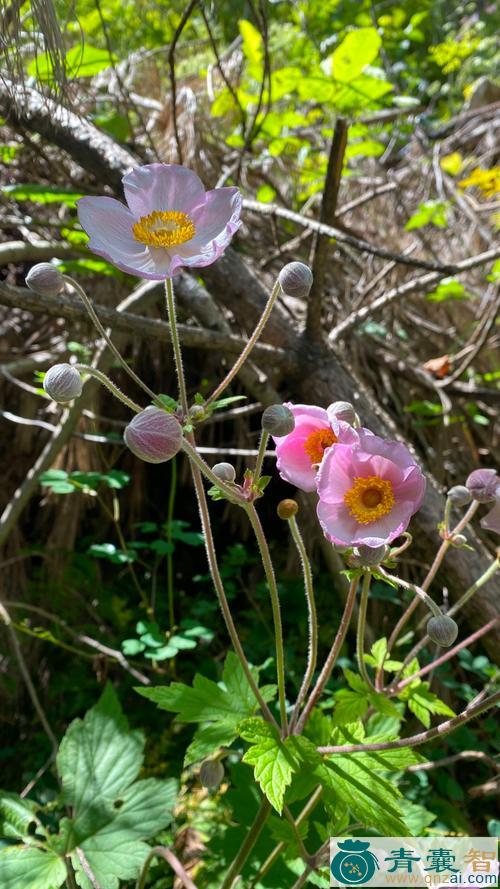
253	47
225	402
423	703
358	49
82	60
98	761
208	739
272	760
42	194
429	213
447	289
16	815
169	403
349	706
26	867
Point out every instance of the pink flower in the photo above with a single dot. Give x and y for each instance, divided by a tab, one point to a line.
491	520
170	222
301	451
368	491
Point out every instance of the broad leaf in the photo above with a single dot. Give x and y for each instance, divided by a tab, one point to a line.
358	49
16	815
27	867
273	761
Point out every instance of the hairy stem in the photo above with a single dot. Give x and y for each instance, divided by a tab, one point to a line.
261	453
94	372
248	348
97	324
170	555
172	320
275	604
360	633
332	657
168	856
312	618
423	737
247	846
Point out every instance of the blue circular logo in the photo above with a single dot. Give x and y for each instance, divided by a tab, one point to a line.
354	864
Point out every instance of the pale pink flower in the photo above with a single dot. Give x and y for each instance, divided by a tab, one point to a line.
368	491
170	222
301	451
491	521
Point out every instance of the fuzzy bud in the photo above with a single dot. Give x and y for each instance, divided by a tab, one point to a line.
153	435
459	495
459	540
286	509
225	471
197	412
211	773
369	556
443	630
63	383
296	279
343	410
278	420
45	279
482	484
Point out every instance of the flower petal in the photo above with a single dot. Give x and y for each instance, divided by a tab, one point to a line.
293	464
162	187
491	520
109	226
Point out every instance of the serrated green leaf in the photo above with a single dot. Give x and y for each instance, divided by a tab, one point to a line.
208	739
225	402
272	760
27	867
16	815
349	706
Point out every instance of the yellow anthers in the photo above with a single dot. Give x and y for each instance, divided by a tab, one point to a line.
164	228
369	499
317	442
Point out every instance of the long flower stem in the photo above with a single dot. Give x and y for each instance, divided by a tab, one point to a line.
261	453
360	633
419	592
94	372
312	618
331	660
195	459
172	320
167	854
275	604
97	324
484	578
170	555
231	492
250	840
248	348
423	737
443	549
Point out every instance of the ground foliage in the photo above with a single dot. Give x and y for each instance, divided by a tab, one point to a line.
105	577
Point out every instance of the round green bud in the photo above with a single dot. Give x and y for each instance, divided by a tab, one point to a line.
45	279
459	495
154	435
443	630
278	420
296	279
211	773
62	383
225	471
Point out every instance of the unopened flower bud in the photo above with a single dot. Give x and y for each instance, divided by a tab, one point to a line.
211	773
63	383
286	509
278	420
45	279
296	279
343	410
458	540
369	556
153	435
459	495
443	630
225	471
196	411
482	484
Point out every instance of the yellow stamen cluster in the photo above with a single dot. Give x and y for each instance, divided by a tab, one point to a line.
164	228
369	499
317	442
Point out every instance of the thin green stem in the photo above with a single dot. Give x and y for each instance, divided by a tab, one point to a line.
94	372
331	660
360	634
261	453
249	346
312	618
419	592
170	554
275	604
97	324
171	859
247	846
172	320
232	493
484	578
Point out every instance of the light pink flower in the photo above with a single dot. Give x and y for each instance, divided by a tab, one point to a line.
368	491
170	222
301	451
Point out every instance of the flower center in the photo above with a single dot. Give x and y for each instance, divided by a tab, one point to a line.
369	498
317	442
164	228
